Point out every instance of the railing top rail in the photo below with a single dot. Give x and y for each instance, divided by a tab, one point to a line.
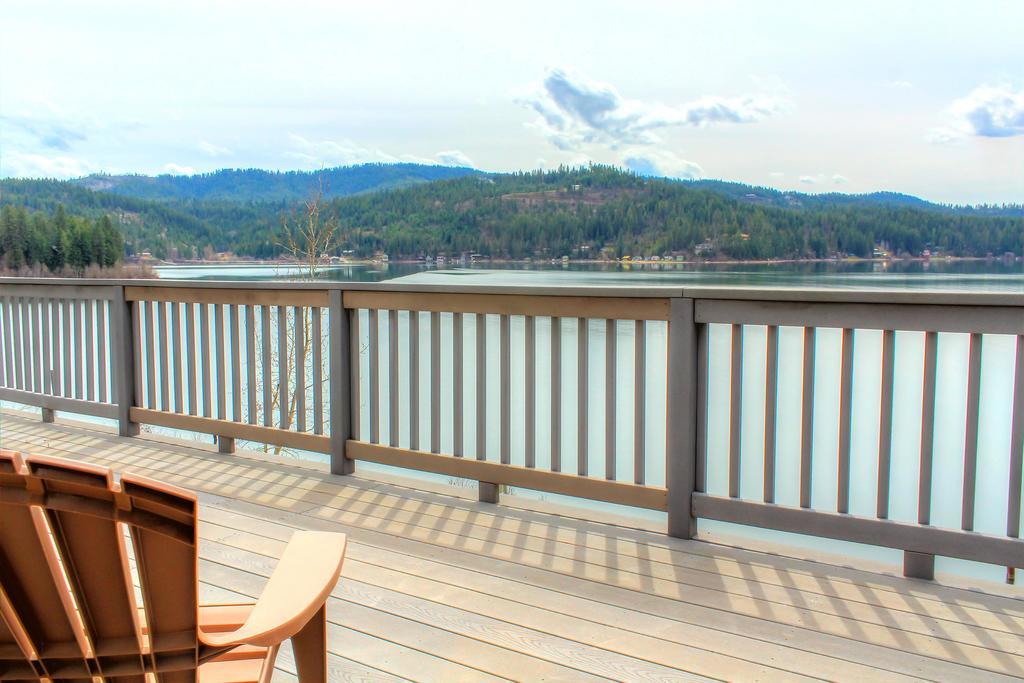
782	294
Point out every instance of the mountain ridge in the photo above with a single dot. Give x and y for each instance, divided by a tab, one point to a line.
409	210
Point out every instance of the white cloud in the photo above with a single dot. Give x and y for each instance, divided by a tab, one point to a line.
212	150
176	169
899	85
776	174
662	163
988	111
453	158
26	165
575	110
839	179
809	179
992	111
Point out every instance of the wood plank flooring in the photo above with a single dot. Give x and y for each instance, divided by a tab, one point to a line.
440	588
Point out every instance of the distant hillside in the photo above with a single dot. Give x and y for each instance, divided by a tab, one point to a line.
579	212
767	196
255	185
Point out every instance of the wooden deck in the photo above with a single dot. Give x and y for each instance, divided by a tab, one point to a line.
442	588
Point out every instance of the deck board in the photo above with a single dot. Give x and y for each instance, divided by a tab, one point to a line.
439	587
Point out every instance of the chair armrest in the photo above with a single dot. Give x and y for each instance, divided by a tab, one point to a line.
298	588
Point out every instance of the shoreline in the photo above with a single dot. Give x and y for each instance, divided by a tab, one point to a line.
241	263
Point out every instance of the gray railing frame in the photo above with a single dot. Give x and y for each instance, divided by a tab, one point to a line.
691	310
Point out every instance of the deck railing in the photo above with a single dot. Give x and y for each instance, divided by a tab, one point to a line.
704	403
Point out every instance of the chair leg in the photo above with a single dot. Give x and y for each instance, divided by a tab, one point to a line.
310	649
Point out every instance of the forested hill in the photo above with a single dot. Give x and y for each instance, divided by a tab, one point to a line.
582	213
255	185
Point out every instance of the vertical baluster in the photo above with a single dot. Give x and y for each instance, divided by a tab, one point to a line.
845	422
458	386
735	410
204	357
19	371
165	375
236	365
435	382
316	341
700	473
1016	445
37	356
771	397
414	380
79	350
90	357
21	344
267	369
101	345
299	315
885	424
481	386
393	373
374	374
284	421
151	399
807	418
46	354
582	395
506	389
610	392
190	347
971	433
639	401
136	341
250	364
531	391
26	332
177	369
25	356
56	369
220	360
355	389
924	491
556	394
26	343
6	304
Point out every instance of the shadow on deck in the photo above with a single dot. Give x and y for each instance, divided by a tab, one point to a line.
439	587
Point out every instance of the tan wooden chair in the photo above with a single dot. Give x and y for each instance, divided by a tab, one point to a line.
69	609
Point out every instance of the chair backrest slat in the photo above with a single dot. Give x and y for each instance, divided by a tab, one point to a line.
68	607
35	592
167	572
95	559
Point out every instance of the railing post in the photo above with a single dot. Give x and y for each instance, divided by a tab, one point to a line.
48	415
681	411
918	565
123	362
340	378
487	492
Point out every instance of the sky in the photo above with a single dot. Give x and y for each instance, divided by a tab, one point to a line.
925	98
